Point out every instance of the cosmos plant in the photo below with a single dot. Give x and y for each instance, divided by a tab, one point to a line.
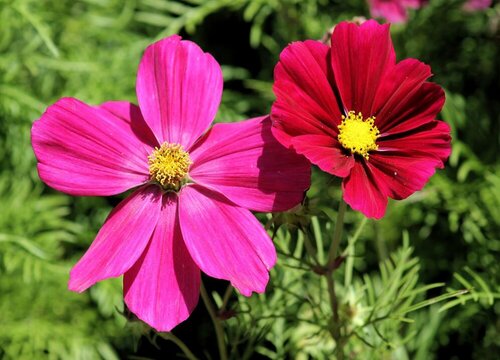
349	108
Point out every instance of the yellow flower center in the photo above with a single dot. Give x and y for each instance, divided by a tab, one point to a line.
357	134
168	165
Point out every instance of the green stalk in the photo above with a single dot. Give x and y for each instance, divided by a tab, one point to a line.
219	332
337	235
225	298
171	337
336	328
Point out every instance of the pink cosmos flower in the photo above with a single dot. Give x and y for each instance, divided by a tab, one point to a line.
357	114
476	5
394	11
194	188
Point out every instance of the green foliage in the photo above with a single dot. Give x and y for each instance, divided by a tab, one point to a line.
435	298
38	312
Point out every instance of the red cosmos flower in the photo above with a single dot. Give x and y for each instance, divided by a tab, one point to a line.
194	184
393	10
357	114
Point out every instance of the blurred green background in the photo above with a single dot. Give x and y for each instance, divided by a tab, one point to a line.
447	234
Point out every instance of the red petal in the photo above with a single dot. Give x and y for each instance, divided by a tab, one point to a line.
398	92
432	140
325	152
361	56
305	101
419	109
403	175
364	191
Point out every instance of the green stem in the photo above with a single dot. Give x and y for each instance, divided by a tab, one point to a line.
336	328
336	325
337	235
171	337
226	297
309	246
348	253
381	247
219	332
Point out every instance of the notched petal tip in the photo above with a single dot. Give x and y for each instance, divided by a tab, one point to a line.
162	287
179	88
361	55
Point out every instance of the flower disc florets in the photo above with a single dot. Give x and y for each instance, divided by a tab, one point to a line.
357	134
169	165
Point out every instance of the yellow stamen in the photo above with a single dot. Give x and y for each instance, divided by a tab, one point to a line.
168	165
357	134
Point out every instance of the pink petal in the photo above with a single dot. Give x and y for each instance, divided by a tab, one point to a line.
225	241
250	167
475	5
83	150
392	10
364	191
419	109
325	152
121	240
414	4
179	88
431	140
305	101
396	94
132	115
361	55
162	287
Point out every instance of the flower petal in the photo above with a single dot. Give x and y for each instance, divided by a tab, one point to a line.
413	4
131	114
225	241
162	288
431	140
403	175
82	150
419	109
250	167
392	10
121	240
305	101
325	152
360	57
179	88
364	192
397	93
475	5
